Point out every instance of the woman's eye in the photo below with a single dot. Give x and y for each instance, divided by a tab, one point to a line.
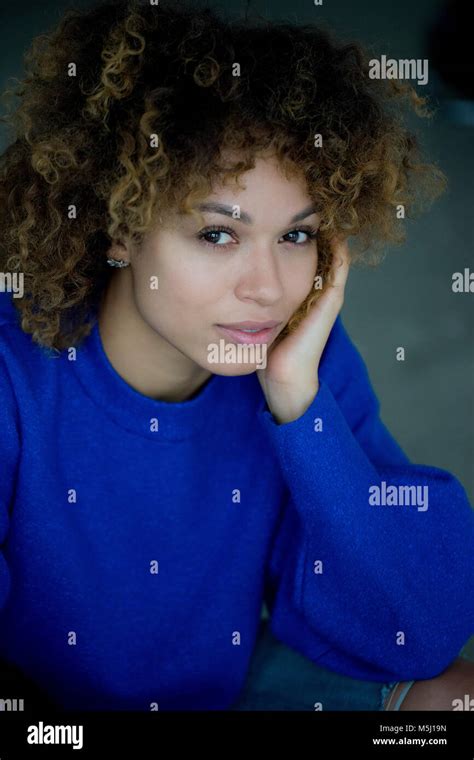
213	237
310	235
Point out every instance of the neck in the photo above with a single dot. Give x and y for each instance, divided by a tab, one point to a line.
141	356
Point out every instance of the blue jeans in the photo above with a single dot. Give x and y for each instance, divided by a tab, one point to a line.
282	679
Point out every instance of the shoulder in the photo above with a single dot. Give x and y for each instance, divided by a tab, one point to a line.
20	356
10	331
341	353
8	313
344	370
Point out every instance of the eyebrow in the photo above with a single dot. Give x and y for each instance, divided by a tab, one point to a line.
220	208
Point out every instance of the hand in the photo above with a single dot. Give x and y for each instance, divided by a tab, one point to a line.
290	379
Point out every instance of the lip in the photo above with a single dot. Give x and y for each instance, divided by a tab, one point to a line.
251	325
264	335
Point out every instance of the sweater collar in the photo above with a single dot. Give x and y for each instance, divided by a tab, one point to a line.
150	418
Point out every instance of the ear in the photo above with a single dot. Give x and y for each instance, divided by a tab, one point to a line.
118	251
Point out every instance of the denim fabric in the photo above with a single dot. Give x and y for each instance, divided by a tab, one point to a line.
282	679
397	703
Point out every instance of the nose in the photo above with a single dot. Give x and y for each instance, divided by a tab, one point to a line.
260	279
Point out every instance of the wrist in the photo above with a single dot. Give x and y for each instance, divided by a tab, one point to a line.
291	409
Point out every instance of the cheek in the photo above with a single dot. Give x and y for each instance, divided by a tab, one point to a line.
299	277
191	292
162	279
181	302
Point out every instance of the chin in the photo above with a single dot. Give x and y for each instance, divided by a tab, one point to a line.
233	370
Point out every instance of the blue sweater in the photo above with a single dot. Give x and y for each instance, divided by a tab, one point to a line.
140	537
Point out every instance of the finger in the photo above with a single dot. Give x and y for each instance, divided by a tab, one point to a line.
333	297
341	262
330	303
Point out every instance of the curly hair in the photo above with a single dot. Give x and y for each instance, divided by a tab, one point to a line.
126	112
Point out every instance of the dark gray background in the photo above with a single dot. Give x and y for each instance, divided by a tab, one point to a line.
427	400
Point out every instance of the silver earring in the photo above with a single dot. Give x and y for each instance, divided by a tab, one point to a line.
118	263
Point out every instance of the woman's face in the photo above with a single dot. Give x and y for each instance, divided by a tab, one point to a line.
258	268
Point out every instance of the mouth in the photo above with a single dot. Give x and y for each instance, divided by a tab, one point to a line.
251	332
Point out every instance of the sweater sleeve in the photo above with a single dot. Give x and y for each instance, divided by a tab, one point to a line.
366	577
9	455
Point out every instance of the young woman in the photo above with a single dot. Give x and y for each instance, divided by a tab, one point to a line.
187	429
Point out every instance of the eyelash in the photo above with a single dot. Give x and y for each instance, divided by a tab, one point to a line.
310	231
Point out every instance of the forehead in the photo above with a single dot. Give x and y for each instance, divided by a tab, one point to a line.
267	188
